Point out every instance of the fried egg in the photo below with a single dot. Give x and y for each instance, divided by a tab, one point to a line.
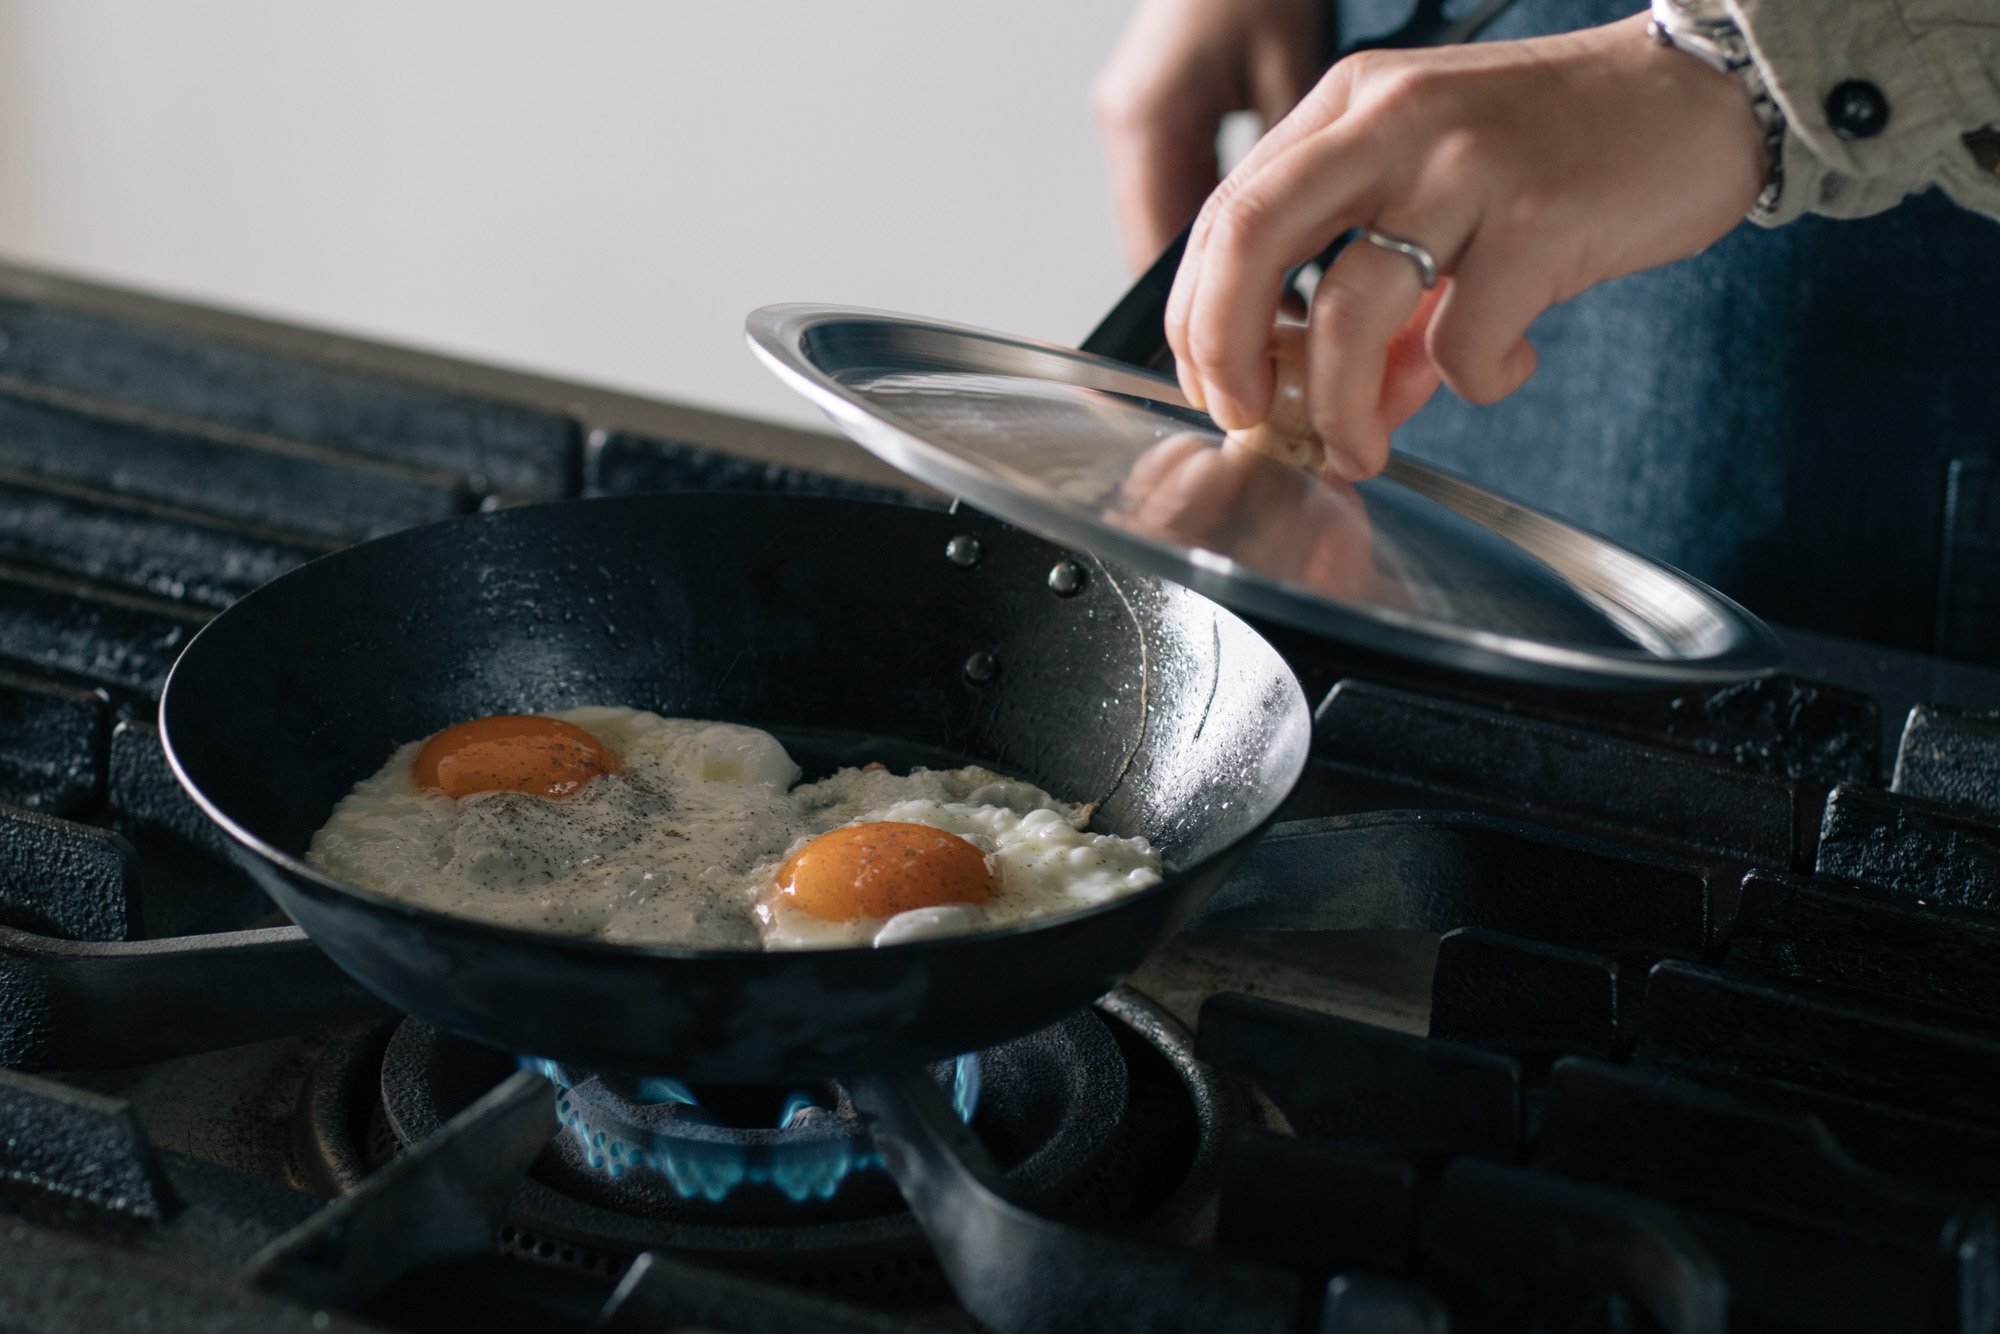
623	825
937	852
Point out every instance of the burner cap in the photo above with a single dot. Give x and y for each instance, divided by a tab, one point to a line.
709	1142
1048	1105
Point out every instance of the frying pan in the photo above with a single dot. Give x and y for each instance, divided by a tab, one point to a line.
841	626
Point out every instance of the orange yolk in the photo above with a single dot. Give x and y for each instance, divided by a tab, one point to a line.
511	752
881	869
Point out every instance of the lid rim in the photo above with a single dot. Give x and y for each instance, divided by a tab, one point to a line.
779	336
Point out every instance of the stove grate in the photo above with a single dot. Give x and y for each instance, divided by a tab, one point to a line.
1654	1091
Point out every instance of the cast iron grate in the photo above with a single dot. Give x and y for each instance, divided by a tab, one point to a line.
1765	1100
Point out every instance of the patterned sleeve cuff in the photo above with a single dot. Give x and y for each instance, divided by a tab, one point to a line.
1882	99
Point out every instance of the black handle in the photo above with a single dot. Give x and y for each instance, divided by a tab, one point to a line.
1018	1272
92	1005
1135	330
1437	870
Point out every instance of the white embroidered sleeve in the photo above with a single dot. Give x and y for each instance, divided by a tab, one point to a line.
1882	99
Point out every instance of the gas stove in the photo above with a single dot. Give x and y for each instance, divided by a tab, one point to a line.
1540	1011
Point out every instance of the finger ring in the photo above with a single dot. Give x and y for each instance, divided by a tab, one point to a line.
1427	265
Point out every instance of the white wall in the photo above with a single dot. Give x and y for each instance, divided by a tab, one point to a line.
599	190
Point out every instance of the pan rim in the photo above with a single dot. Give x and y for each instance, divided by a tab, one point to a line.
1297	707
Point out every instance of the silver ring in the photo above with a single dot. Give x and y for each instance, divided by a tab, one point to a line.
1427	265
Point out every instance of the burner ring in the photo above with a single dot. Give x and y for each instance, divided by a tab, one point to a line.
1051	1103
808	1144
1156	1175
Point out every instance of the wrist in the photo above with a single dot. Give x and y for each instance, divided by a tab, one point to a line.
1703	31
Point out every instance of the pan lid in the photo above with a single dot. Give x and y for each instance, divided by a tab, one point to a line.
1111	459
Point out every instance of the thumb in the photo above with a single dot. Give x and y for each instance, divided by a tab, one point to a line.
1158	182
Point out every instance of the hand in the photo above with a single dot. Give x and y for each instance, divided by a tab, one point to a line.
1286	433
1180	67
1530	170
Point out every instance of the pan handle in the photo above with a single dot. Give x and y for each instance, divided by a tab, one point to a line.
98	1005
1426	870
1135	330
1058	1276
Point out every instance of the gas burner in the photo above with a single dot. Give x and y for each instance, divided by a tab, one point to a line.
771	1156
804	1143
1104	1117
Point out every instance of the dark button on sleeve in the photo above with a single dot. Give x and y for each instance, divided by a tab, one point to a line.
1856	109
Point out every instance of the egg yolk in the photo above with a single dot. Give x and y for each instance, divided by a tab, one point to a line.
511	752
881	869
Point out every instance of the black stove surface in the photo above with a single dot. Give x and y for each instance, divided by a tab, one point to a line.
1543	1011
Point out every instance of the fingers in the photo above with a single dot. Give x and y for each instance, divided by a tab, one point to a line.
1476	337
1178	69
1286	433
1257	226
1157	102
1364	301
1281	76
1320	107
1157	183
1323	103
1410	378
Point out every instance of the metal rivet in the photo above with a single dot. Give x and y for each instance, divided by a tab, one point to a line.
963	551
981	667
1065	578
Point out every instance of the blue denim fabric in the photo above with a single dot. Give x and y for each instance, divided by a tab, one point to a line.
1775	415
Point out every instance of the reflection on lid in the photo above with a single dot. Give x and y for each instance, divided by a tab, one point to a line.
1165	472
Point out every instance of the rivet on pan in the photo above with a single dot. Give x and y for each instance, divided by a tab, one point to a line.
981	667
964	551
1065	578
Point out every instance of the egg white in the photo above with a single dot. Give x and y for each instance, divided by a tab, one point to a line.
681	845
1044	863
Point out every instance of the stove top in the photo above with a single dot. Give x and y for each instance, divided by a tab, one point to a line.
1539	1011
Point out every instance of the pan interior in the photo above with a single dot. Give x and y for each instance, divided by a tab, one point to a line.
841	627
820	751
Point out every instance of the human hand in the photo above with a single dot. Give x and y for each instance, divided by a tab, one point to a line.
1286	433
1180	67
1530	170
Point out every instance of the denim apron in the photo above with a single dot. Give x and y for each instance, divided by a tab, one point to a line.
1806	418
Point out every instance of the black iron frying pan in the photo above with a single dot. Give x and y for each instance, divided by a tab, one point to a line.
841	626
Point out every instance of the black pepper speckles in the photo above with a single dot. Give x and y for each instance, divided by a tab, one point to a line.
679	845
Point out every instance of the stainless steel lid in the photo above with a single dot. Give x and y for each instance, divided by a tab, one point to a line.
1113	460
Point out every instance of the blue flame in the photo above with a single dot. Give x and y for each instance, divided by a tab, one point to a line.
658	1090
965	1087
696	1166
